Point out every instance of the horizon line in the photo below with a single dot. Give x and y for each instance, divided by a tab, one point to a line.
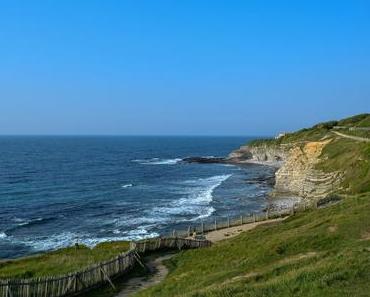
132	135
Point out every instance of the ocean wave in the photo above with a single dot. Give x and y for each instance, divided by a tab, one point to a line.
67	239
127	186
132	221
198	196
157	161
31	222
3	235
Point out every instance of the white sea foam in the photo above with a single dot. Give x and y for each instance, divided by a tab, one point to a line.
198	196
66	239
127	186
2	235
157	161
29	222
148	221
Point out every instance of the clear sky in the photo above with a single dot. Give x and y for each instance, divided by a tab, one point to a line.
181	67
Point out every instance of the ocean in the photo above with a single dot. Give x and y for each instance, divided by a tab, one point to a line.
59	190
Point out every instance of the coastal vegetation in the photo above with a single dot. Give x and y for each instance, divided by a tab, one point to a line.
320	131
324	252
350	157
61	261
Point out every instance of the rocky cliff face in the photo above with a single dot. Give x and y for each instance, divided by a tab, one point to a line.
297	174
265	154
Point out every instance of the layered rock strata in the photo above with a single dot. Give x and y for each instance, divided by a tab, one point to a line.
297	173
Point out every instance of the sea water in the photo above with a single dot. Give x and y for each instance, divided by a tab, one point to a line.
59	190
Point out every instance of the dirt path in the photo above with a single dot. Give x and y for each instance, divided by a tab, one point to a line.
158	271
222	234
352	137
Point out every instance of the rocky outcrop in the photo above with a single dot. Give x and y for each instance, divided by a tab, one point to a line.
297	173
264	154
204	160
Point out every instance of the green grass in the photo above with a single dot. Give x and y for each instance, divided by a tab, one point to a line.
319	131
360	120
315	133
61	261
324	252
350	157
359	133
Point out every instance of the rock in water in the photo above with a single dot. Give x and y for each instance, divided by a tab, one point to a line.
204	160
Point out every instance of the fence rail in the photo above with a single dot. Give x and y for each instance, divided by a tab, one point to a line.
204	227
95	275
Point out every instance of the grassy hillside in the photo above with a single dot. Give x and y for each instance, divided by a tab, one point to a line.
61	261
319	131
353	159
325	252
361	120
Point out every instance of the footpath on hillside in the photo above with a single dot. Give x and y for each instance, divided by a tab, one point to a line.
357	138
158	270
218	235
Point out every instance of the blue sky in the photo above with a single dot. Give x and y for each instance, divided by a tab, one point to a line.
181	67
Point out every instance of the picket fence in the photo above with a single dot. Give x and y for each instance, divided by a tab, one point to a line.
96	275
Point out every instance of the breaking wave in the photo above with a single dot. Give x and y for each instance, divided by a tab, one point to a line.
197	198
67	239
157	161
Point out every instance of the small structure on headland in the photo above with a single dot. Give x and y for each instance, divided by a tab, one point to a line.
282	134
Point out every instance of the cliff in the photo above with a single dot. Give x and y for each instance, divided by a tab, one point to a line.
313	163
299	175
265	154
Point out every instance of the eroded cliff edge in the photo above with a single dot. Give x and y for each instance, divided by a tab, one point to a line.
297	173
314	162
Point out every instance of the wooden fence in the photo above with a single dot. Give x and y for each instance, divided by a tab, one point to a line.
74	283
218	223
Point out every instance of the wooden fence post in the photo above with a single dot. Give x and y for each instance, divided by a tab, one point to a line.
202	226
254	217
107	278
215	224
267	213
8	290
189	228
241	220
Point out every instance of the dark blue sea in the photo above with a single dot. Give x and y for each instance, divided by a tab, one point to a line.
56	191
